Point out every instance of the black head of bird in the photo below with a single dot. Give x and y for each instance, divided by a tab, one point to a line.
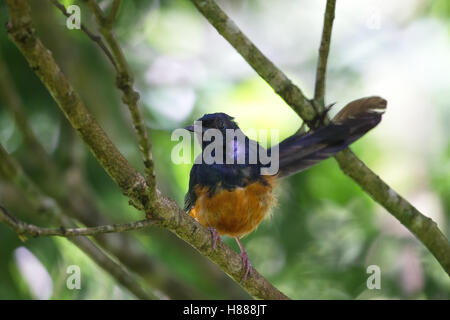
219	120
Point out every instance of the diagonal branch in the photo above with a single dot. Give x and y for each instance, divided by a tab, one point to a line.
421	226
319	90
22	33
424	228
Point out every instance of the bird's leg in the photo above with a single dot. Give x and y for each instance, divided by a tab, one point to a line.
245	260
215	236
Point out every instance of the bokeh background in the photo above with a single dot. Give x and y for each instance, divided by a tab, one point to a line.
325	231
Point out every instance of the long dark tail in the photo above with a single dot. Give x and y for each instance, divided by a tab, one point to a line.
298	153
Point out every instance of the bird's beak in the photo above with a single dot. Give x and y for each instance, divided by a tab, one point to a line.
190	128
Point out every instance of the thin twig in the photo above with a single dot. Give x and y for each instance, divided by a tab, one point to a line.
21	227
130	96
96	38
114	11
319	91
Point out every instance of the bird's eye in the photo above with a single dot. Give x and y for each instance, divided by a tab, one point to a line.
220	124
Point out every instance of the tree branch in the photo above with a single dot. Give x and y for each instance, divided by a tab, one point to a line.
125	84
96	38
319	90
21	227
118	271
22	33
112	16
420	225
424	228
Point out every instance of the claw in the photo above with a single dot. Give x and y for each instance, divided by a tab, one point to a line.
215	236
319	119
247	265
245	260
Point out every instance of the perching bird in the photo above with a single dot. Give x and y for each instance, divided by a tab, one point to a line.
233	198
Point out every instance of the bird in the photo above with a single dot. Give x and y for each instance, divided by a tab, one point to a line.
232	199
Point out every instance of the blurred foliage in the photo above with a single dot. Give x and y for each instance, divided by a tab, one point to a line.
325	230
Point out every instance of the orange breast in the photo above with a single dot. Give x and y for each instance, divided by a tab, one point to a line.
235	213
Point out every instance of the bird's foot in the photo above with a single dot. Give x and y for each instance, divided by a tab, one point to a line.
246	264
319	119
215	236
245	260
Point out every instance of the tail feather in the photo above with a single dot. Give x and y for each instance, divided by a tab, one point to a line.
298	153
